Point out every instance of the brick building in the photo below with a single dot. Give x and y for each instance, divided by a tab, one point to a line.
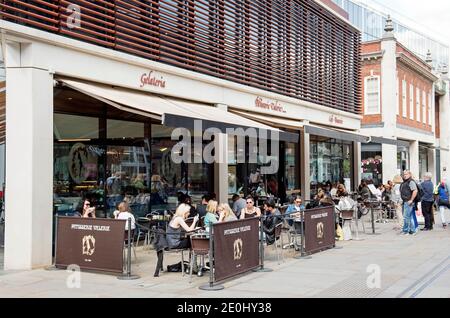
402	105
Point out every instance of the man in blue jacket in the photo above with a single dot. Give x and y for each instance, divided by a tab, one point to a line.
427	201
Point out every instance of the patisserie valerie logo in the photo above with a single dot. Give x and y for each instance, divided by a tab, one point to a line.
269	105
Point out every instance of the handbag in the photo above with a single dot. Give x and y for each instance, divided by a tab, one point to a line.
443	202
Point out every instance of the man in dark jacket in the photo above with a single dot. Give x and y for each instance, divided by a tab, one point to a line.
408	192
271	220
427	201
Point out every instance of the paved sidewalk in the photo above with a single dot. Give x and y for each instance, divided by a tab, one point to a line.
410	266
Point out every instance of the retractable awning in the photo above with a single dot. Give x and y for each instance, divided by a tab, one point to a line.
271	120
336	134
387	141
172	112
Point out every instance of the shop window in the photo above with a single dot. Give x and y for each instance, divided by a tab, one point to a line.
119	129
75	127
404	102
330	164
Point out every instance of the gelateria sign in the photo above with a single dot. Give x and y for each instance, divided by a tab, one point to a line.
269	105
151	78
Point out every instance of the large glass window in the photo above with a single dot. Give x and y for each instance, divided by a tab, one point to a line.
372	163
247	178
330	163
108	161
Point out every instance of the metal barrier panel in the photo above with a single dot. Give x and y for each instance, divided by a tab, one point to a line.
236	248
319	229
93	244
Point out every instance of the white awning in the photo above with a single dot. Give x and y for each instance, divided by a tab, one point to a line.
171	112
271	120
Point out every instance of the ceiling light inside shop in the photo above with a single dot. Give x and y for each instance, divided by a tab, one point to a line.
163	149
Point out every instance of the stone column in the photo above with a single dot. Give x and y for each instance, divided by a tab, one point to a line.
305	181
414	158
389	153
29	163
221	165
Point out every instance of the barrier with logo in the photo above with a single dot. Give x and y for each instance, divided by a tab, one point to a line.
319	225
236	248
92	244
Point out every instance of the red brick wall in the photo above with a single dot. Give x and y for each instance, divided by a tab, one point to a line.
423	84
371	47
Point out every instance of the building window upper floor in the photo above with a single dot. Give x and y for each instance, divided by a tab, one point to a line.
372	100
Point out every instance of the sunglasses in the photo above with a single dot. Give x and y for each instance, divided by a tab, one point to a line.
249	202
298	201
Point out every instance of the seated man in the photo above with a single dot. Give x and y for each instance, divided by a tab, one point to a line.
271	220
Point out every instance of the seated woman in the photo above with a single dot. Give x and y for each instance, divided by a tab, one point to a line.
250	211
211	216
177	225
225	213
124	214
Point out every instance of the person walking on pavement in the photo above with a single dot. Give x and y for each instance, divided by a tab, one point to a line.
408	192
427	201
442	193
397	199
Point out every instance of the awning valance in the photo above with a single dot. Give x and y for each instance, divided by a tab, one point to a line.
271	120
172	112
336	134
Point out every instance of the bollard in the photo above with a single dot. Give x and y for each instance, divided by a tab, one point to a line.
210	286
128	275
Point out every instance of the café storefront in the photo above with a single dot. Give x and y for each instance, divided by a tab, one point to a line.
103	121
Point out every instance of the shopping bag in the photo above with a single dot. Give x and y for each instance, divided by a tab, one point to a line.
339	233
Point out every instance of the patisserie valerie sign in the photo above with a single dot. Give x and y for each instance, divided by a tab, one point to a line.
269	105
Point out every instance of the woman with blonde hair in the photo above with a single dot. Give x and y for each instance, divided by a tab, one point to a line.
397	200
124	214
177	225
211	216
225	213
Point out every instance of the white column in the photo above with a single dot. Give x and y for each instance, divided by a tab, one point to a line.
305	163
29	168
414	159
221	165
444	114
389	153
221	169
389	86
